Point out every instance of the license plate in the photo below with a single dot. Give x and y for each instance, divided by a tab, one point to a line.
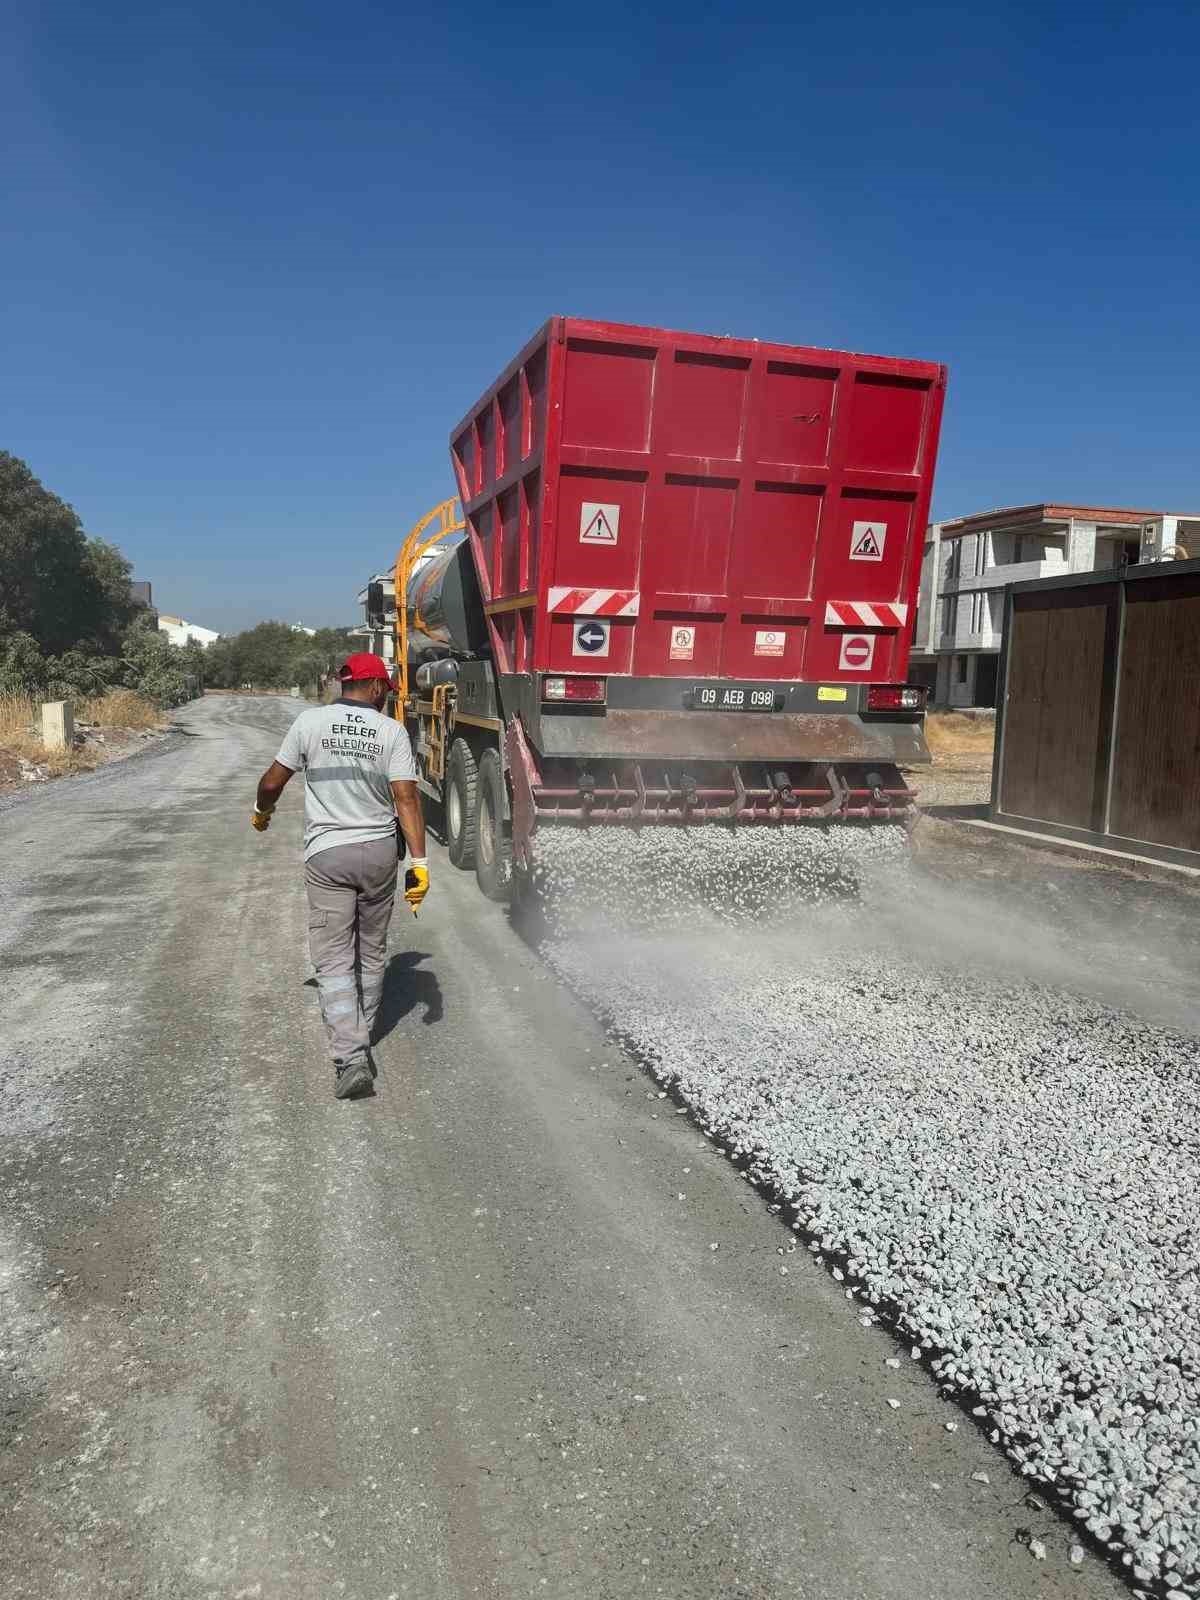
734	697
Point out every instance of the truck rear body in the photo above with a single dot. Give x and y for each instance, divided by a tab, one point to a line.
716	545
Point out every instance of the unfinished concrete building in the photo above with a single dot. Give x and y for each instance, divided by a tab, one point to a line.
968	562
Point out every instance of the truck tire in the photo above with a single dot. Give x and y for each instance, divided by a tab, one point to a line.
462	805
493	841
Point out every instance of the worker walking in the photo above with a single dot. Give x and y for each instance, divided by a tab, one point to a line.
360	779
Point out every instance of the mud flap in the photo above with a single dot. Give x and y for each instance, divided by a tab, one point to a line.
522	775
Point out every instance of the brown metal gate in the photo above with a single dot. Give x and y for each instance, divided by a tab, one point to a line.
1098	733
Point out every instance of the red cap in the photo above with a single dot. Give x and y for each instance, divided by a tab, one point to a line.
360	667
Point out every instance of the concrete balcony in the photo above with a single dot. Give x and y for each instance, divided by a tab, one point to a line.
985	639
997	577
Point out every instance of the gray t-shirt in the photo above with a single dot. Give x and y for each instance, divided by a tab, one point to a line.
350	754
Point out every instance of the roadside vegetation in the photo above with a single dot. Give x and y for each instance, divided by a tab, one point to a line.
69	626
272	655
105	726
71	630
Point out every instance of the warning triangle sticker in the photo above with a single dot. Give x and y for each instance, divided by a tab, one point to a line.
597	530
867	540
599	523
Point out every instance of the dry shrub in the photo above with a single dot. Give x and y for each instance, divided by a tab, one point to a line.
119	708
949	733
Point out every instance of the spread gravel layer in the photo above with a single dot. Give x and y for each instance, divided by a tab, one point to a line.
1004	1170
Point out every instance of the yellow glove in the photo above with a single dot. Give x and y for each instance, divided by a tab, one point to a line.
416	882
261	820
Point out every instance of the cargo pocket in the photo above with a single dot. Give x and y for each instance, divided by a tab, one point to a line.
318	938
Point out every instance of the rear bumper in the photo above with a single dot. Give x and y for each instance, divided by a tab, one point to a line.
782	736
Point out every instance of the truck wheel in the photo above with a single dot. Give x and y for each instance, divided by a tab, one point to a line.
462	805
493	844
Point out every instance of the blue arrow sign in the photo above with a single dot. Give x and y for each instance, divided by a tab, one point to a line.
591	638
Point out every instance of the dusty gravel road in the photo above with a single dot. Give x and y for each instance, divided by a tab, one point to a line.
468	1338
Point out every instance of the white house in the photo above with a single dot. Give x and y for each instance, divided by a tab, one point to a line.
180	632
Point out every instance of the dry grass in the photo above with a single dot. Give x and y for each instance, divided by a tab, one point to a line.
21	734
119	708
17	714
21	729
950	734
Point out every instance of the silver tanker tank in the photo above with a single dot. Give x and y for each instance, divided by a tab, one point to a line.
445	611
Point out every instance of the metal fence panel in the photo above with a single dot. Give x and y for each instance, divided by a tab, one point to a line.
1156	778
1098	734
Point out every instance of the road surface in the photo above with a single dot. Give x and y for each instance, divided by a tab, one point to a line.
510	1328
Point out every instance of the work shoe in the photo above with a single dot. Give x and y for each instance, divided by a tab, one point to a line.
353	1079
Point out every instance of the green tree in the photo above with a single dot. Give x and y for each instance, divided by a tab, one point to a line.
271	656
55	585
308	668
23	668
333	645
194	657
263	655
112	575
77	674
152	664
220	668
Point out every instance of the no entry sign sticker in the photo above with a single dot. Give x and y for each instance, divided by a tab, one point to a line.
857	652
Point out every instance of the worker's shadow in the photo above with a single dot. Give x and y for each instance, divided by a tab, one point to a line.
404	989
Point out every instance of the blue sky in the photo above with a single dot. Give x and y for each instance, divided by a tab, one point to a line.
259	258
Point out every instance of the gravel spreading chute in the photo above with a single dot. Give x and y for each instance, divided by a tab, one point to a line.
1005	1169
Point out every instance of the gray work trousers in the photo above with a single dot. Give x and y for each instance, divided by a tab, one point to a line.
351	888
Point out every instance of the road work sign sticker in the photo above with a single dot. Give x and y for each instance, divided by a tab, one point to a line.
770	642
857	653
683	644
591	638
598	524
867	540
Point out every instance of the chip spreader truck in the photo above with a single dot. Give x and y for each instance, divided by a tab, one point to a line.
682	593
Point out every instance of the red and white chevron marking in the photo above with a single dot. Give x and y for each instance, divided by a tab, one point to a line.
864	614
595	602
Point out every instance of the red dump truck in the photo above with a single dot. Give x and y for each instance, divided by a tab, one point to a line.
685	593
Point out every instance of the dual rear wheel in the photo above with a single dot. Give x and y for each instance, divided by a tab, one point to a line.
477	832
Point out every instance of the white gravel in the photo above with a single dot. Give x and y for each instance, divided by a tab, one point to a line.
1006	1168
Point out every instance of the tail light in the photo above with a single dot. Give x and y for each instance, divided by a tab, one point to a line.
895	697
588	690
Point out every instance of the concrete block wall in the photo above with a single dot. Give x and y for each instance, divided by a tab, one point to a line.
950	692
925	636
1081	547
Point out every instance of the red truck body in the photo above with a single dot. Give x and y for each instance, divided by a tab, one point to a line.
722	508
693	566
